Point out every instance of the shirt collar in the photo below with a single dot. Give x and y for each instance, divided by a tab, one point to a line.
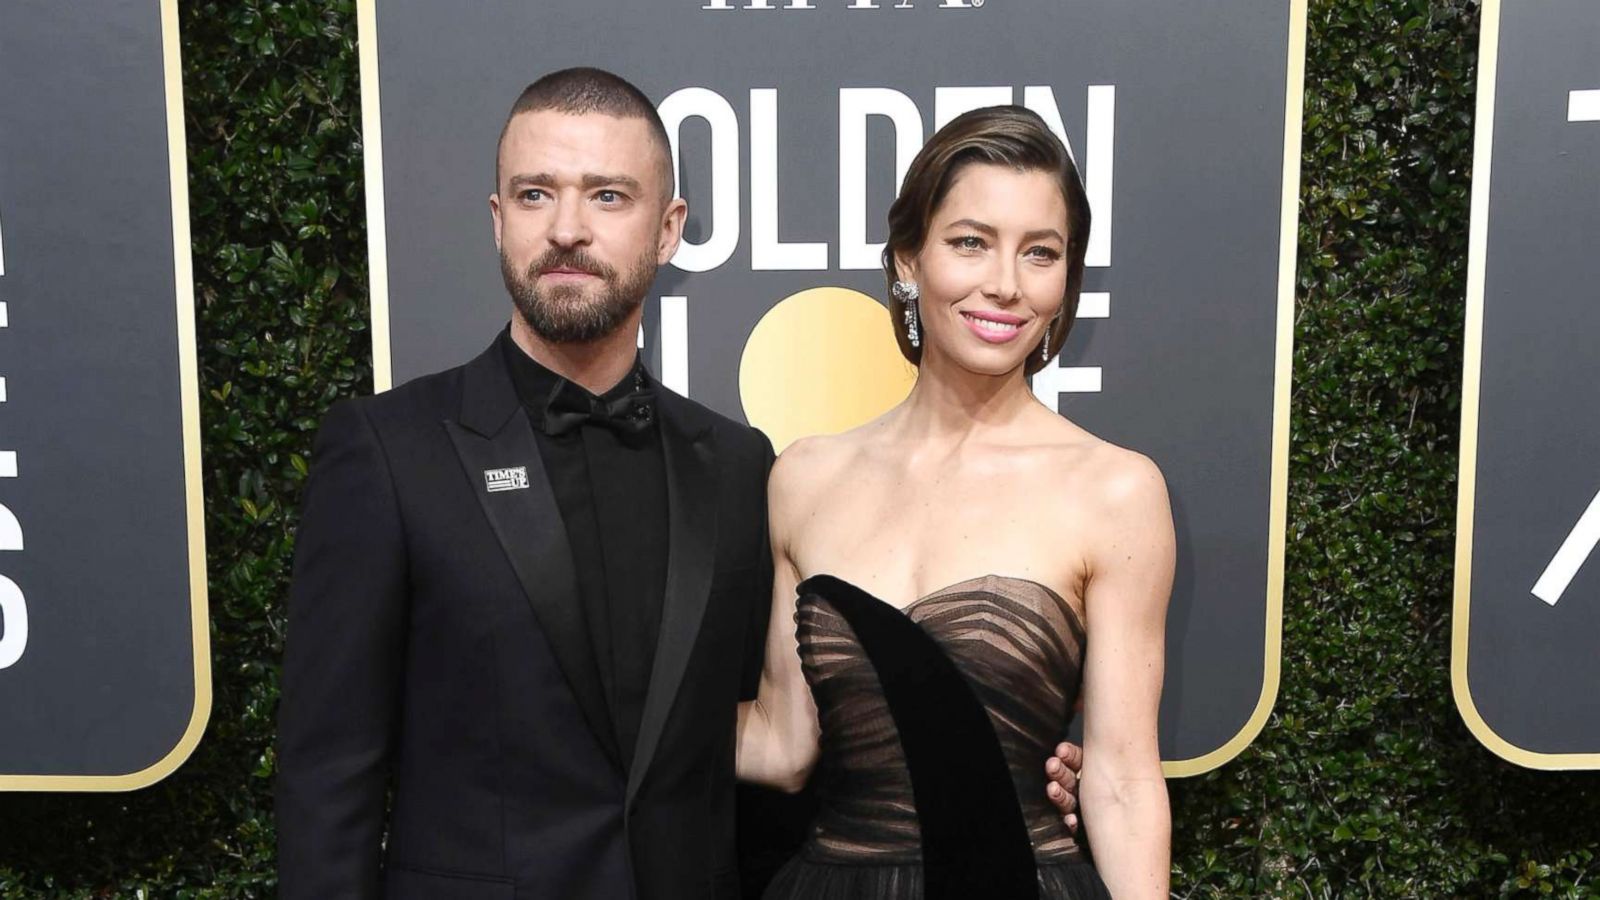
536	384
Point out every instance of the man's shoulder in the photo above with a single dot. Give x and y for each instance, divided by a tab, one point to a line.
425	396
421	402
730	434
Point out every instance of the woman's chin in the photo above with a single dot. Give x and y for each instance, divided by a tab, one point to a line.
991	361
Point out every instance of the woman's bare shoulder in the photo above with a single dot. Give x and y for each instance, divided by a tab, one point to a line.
809	457
806	467
1109	475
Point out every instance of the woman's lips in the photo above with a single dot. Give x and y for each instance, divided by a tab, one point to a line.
993	327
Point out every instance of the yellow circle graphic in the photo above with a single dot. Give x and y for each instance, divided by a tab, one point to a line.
820	362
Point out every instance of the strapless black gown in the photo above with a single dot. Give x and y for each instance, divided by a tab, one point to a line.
936	723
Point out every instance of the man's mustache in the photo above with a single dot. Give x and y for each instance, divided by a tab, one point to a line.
573	258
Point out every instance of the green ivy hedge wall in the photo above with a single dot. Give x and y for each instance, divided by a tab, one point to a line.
1364	782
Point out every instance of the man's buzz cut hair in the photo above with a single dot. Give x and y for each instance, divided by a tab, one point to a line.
583	90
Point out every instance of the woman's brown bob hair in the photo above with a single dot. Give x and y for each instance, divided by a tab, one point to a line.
1011	136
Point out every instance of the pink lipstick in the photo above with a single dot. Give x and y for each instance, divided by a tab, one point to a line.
993	327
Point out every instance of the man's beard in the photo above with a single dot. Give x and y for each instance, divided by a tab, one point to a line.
566	314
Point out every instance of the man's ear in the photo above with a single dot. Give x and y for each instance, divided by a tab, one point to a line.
672	219
494	214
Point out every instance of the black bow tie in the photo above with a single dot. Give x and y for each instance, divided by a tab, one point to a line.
629	414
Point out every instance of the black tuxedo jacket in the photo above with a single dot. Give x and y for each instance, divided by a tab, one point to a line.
439	685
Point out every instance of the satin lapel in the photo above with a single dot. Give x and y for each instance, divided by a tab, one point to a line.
691	552
494	433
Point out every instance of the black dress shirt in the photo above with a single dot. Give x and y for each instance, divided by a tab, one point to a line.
611	488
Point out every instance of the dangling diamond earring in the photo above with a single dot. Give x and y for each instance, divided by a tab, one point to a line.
1044	348
907	293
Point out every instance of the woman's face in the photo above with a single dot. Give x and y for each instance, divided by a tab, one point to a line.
993	269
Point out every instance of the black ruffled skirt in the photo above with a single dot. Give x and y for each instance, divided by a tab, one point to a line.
807	878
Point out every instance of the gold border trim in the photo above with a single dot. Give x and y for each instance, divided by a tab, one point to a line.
372	166
1471	380
1288	242
1282	382
189	386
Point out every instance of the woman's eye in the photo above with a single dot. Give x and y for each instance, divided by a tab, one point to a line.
1048	254
968	242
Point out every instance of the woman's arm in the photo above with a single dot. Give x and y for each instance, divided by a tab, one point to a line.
777	744
1122	792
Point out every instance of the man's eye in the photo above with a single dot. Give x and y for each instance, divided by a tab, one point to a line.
609	197
533	195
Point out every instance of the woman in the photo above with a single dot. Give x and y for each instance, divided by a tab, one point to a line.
922	687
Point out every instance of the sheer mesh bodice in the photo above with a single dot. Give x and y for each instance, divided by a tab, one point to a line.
1016	645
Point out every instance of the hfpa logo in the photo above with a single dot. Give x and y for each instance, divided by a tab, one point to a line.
854	4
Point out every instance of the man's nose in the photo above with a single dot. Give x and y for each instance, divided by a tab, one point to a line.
571	225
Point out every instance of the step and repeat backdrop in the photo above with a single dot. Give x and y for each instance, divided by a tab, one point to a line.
1527	612
792	122
104	672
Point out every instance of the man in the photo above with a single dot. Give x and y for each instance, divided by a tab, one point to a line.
530	591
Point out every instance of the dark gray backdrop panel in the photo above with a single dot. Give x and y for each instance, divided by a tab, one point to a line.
1187	352
1533	667
93	406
